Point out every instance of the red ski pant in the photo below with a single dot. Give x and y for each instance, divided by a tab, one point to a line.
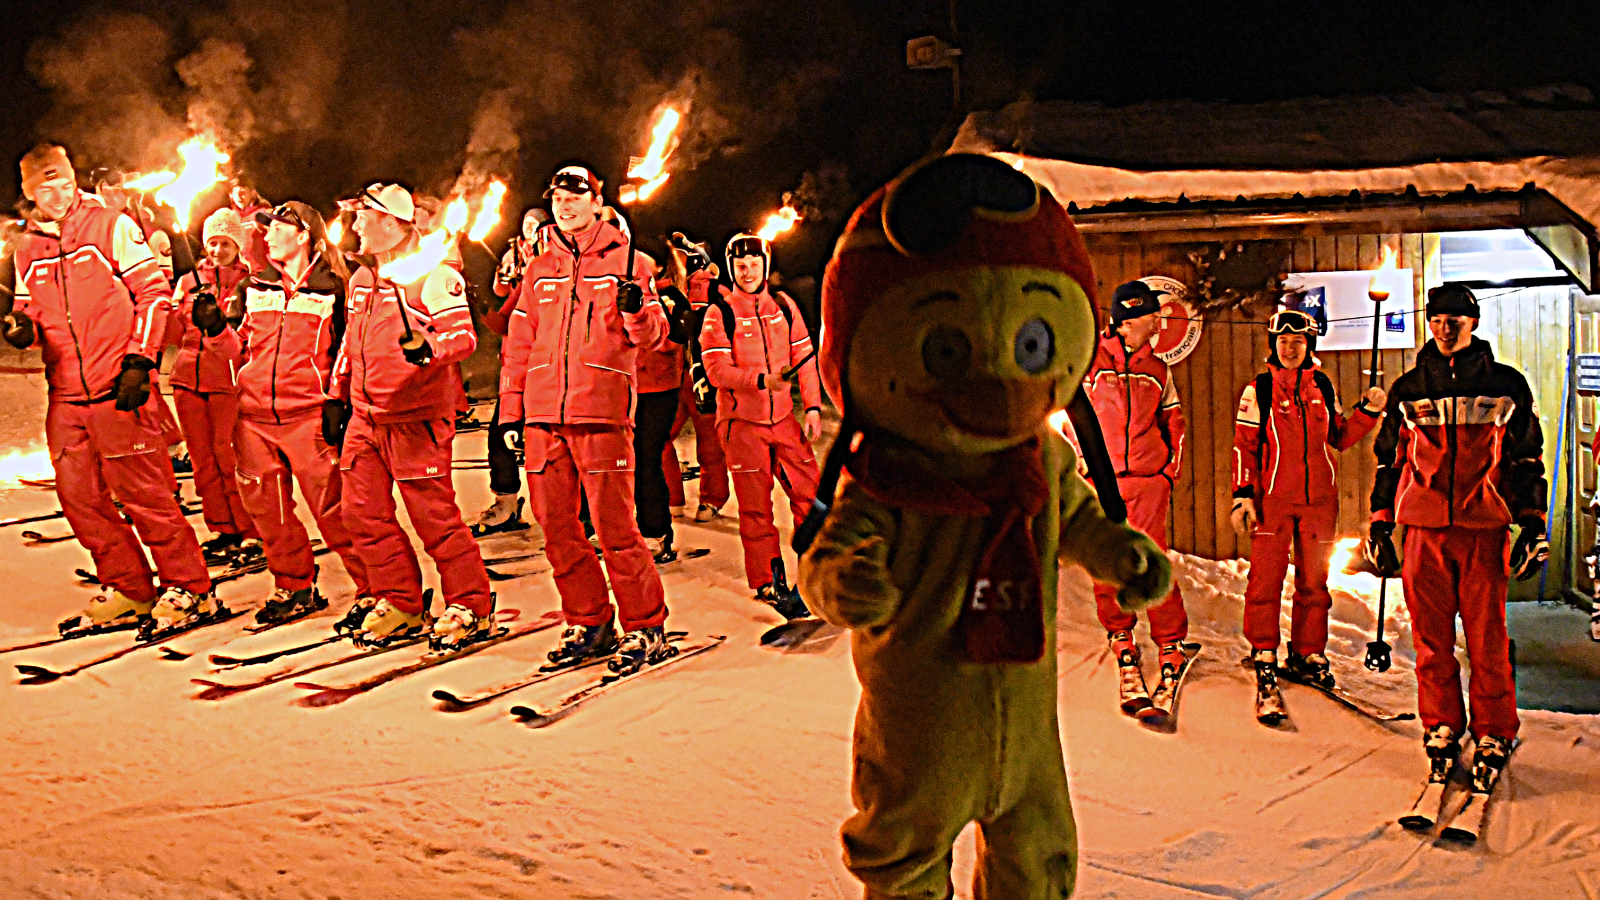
708	450
272	457
565	464
1308	531
98	451
415	456
757	453
1147	498
208	420
1461	571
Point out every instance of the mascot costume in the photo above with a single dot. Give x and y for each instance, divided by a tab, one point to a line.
957	317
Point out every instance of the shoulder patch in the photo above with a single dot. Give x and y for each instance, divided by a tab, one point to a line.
456	289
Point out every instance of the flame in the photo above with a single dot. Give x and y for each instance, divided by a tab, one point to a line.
18	465
1376	287
630	194
431	250
336	231
488	214
662	144
778	223
149	182
202	161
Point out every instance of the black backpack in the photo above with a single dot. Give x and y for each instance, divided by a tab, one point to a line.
705	396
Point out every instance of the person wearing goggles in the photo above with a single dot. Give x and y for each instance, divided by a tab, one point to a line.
756	349
585	310
1460	461
392	406
1136	401
1287	433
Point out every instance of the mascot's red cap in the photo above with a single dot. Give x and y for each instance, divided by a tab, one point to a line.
953	212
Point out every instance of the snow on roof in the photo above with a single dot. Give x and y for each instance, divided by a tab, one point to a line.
1573	181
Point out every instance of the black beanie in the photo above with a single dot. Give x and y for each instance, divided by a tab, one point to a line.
1133	300
1452	299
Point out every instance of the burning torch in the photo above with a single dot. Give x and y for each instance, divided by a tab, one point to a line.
1378	649
202	168
651	169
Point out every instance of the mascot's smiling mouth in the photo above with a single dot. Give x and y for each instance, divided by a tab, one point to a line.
994	407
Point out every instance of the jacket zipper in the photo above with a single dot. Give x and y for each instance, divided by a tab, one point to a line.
66	306
1305	433
277	353
766	356
1451	442
1127	408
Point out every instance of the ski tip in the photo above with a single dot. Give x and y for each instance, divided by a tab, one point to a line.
1459	836
1416	822
524	712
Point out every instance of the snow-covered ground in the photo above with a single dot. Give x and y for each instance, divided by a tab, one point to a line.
728	776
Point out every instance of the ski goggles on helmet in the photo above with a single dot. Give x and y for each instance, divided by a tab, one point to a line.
1292	321
284	213
747	245
573	180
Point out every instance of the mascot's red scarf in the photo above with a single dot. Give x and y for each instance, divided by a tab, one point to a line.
1002	618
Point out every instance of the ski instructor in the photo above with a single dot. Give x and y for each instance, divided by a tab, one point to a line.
103	434
568	382
1460	461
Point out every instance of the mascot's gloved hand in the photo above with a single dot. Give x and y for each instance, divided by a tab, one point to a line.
19	331
335	417
1243	516
133	384
207	314
862	592
1380	549
1143	570
1531	549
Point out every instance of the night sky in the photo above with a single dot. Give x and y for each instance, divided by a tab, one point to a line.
331	95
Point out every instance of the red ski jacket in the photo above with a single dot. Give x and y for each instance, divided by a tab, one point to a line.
199	367
95	294
372	373
1460	444
287	341
570	356
1137	405
763	340
1288	455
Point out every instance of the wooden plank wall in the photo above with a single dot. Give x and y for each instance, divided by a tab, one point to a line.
1231	351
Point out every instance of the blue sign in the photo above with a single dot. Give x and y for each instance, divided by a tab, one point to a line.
1589	373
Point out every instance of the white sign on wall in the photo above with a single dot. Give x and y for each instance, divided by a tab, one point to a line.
1339	303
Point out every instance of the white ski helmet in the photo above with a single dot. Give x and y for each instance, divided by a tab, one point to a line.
746	244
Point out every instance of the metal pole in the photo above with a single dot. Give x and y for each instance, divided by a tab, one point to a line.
1378	656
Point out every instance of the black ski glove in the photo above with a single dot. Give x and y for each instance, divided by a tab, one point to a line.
19	330
513	436
335	417
1380	549
416	350
630	297
1531	549
207	314
133	385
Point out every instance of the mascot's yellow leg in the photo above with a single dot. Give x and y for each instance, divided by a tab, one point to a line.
1030	852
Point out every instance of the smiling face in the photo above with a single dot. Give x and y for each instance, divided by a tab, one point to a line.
1451	333
574	212
222	251
971	361
1291	349
749	272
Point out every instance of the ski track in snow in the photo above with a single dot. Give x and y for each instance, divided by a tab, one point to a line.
728	777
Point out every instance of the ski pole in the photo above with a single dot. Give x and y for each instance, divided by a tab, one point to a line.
1378	657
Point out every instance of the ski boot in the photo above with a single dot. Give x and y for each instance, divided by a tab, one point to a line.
1269	699
177	609
504	514
785	599
219	550
387	624
249	553
661	549
458	627
1173	660
639	648
1311	669
1488	761
1443	746
581	643
1132	694
110	610
351	623
679	511
706	513
285	605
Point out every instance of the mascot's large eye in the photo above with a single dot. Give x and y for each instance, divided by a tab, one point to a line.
1035	346
946	352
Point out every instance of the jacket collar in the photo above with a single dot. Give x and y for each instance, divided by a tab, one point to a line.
1475	355
602	240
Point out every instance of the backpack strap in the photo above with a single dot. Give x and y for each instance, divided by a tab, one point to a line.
1264	406
1329	401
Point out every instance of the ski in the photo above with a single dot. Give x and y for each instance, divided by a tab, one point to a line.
539	718
219	690
797	633
326	695
451	702
675	556
1162	713
1428	807
1345	698
36	538
173	654
41	675
1467	825
220	661
496	575
80	633
29	520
